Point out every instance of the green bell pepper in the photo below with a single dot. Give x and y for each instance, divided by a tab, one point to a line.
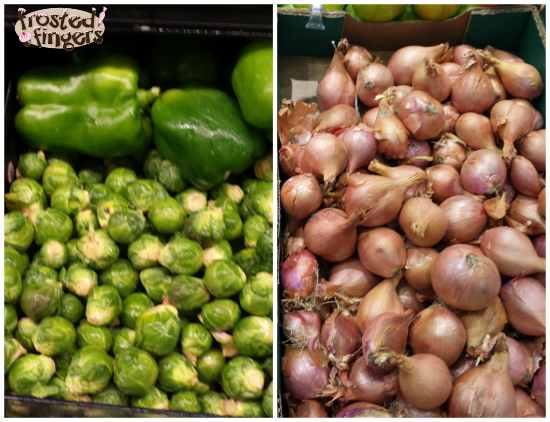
203	132
94	108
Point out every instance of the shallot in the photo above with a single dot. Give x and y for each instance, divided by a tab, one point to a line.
525	177
542	202
370	117
381	299
526	406
349	280
449	150
382	251
311	409
324	156
451	116
525	301
364	410
472	91
463	54
511	121
503	55
372	80
423	222
305	374
533	147
452	70
524	215
432	79
422	115
390	132
500	91
299	275
301	196
476	131
340	116
340	338
539	386
418	153
521	366
483	172
404	61
444	182
418	269
360	144
355	59
302	328
288	155
465	216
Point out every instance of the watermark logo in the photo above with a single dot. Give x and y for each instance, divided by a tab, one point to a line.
60	28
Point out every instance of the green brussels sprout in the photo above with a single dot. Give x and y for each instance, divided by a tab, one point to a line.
224	278
262	204
14	259
166	215
29	373
13	285
70	199
201	388
267	400
158	330
32	165
250	262
133	306
90	176
152	164
143	193
57	174
176	373
253	336
156	282
217	252
243	409
90	371
135	371
267	366
111	395
185	401
115	329
210	365
26	195
122	276
73	255
220	314
169	175
181	256
52	254
225	204
71	308
229	191
118	162
265	247
125	339
243	379
144	251
53	335
98	192
83	220
126	226
18	231
206	227
103	306
263	168
192	200
71	159
26	261
180	234
233	225
60	391
52	224
25	329
13	350
187	293
97	250
119	179
91	335
78	279
152	399
212	403
253	228
256	297
63	361
251	188
10	319
41	300
109	205
251	185
195	340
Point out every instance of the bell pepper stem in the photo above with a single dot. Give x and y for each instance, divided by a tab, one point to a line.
146	97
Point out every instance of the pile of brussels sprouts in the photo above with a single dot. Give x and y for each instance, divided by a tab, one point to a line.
123	286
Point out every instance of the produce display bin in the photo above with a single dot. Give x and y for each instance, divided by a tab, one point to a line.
305	54
134	31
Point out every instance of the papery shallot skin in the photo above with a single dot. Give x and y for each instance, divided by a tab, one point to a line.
364	410
299	275
304	374
539	386
525	301
340	338
311	409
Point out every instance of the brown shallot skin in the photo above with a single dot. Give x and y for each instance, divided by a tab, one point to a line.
525	216
360	144
382	251
520	366
525	177
325	156
370	117
340	116
364	410
462	364
340	338
302	328
400	91
407	410
460	56
407	296
503	55
526	406
451	116
542	202
511	120
392	136
540	245
301	196
372	81
288	156
500	91
423	222
483	172
476	131
422	115
349	280
386	332
525	301
418	269
417	148
431	78
311	409
472	91
466	218
449	150
452	70
533	147
539	386
355	59
444	182
305	375
299	275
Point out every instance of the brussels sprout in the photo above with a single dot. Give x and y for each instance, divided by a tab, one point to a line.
180	234
169	175
111	395
265	247
181	256
152	164
166	215
18	231
267	400
118	162
25	329
36	275
225	204
143	193
26	195
251	188
14	259
122	276
201	388
103	306
224	278
262	204
125	339
97	250
10	319
58	174
156	282
250	262
253	228
251	185
187	293
115	329
52	224
253	336
32	165
263	168
109	205
91	176
220	315
71	308
90	371
246	409
41	300
192	200
13	350
133	306
267	366
210	365
212	403
60	391
73	255
29	373
78	279
229	191
158	330
52	254
53	335
135	371
12	284
90	335
195	340
217	252
25	259
63	361
233	225
243	379
126	226
70	199
71	159
97	193
83	220
256	297
152	399
206	227
185	401
119	179
144	251
176	373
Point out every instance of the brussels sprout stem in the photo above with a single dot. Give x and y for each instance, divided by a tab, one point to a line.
226	340
91	248
147	97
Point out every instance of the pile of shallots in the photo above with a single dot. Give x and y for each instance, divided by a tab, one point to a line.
414	251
